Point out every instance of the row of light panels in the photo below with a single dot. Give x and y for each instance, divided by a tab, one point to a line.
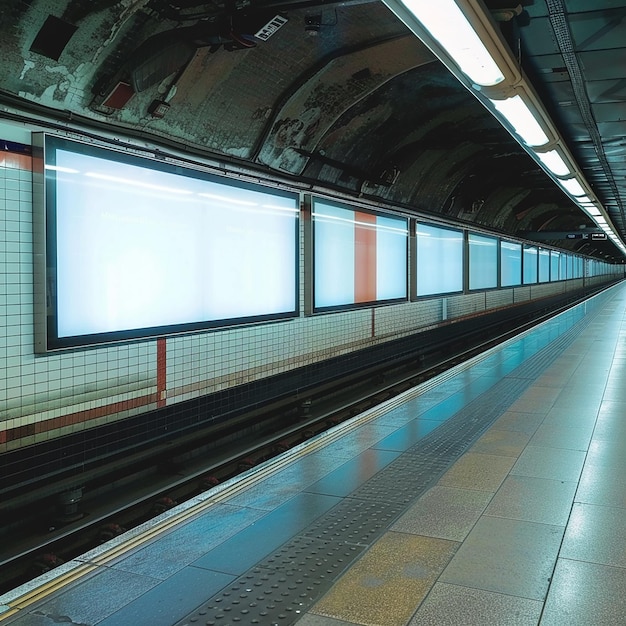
463	36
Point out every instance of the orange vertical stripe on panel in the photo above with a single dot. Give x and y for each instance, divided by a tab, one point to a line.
364	257
161	371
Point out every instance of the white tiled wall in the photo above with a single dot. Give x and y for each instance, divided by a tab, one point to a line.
43	396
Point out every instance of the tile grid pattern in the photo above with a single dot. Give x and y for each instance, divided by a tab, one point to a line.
533	544
45	397
158	583
281	588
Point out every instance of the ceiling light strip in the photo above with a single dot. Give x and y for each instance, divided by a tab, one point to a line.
445	27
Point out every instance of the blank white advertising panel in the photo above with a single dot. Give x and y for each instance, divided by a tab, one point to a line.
134	247
554	265
439	260
483	262
510	263
358	257
530	265
544	265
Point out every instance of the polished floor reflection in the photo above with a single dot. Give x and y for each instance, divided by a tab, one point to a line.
494	495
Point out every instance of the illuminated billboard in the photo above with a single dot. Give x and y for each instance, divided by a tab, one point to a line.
130	247
359	257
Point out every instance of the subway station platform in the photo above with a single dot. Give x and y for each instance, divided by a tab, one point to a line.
494	494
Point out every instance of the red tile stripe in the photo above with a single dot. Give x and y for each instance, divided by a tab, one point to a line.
364	257
76	418
16	161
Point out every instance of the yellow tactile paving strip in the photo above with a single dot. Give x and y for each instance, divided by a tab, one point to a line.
103	557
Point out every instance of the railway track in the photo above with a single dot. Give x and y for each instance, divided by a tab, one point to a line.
39	539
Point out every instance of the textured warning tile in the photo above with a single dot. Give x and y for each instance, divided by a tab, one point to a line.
389	582
449	605
483	472
444	512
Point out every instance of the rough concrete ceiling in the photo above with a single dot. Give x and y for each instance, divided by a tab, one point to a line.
340	95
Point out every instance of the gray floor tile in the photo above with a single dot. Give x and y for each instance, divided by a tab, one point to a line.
358	440
189	542
580	416
596	534
536	400
93	599
170	601
450	605
320	620
610	430
590	391
246	548
501	442
294	478
584	594
532	499
484	472
575	401
611	411
555	436
403	414
495	557
407	436
519	422
615	385
352	474
602	486
607	453
553	463
444	512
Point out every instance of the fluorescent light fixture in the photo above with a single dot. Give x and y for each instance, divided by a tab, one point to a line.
522	119
553	161
592	211
446	23
573	187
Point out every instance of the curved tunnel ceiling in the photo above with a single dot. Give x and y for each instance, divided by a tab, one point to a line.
339	95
